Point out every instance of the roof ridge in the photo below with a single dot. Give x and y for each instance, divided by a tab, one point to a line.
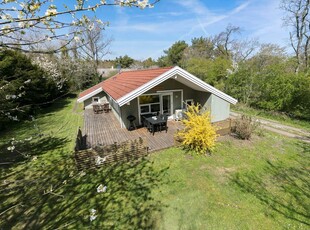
140	70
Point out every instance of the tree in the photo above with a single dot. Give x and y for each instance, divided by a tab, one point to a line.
44	21
224	41
175	53
264	81
147	63
162	61
300	106
298	18
95	45
24	85
200	48
124	61
214	72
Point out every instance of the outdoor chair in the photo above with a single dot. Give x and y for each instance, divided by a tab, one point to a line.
106	107
151	128
96	109
163	125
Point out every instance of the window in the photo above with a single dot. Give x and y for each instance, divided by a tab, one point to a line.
149	99
155	108
149	103
189	102
144	109
95	99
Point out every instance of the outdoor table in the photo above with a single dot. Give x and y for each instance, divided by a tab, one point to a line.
155	121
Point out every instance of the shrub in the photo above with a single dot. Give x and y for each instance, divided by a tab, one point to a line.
198	135
244	127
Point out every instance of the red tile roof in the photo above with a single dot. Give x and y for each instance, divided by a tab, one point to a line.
125	82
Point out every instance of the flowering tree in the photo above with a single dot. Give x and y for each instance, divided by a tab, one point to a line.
21	19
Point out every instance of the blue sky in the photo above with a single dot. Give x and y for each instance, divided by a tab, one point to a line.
146	33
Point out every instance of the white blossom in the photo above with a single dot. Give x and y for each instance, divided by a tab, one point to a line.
100	160
91	26
28	81
14	118
50	12
101	188
11	148
8	97
143	4
28	139
51	68
76	38
93	215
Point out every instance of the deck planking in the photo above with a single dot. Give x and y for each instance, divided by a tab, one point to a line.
105	129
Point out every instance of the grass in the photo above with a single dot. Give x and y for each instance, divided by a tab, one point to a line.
282	118
257	184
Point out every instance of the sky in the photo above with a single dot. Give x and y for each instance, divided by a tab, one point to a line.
146	33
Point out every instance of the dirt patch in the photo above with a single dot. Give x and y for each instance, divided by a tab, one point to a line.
189	157
238	142
222	173
203	167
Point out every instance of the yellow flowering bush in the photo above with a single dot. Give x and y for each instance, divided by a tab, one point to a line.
199	134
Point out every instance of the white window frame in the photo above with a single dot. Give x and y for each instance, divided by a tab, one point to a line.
171	102
160	93
94	98
189	100
139	109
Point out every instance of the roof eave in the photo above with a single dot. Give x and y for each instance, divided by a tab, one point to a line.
89	95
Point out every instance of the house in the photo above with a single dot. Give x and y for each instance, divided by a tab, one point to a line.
162	90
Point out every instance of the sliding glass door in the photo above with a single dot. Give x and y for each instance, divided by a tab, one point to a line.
166	105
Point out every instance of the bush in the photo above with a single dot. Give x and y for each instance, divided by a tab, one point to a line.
198	135
244	127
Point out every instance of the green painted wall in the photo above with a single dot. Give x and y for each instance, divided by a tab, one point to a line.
127	110
177	104
88	102
171	84
104	97
204	99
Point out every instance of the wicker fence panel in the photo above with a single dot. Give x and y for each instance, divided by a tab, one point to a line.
110	154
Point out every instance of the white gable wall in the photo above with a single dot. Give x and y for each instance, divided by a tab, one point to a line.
220	109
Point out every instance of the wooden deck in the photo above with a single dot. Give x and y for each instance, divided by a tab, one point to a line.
104	129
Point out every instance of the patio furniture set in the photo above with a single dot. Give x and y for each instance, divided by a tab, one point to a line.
155	123
99	108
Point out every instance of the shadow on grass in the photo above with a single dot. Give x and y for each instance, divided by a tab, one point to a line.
28	149
56	105
283	189
38	110
126	204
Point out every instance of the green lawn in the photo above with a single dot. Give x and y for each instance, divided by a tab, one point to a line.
282	118
258	184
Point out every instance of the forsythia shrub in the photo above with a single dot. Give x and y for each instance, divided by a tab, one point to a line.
198	135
